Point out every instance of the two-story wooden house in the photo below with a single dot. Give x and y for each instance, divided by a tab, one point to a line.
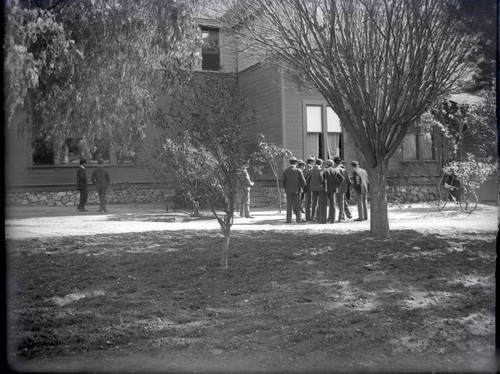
286	113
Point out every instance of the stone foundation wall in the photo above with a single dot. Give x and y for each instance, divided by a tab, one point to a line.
410	194
70	198
265	197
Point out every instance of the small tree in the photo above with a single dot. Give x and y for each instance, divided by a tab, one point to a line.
271	154
200	149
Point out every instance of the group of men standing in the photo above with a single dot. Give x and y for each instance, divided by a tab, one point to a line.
319	187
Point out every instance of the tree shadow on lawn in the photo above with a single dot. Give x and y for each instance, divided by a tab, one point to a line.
302	301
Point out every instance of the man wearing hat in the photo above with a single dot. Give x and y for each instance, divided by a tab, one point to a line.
317	186
307	190
333	178
360	185
101	180
81	185
342	190
293	182
302	166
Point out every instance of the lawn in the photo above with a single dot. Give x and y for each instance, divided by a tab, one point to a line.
289	301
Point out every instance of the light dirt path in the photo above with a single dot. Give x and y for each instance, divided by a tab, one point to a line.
419	217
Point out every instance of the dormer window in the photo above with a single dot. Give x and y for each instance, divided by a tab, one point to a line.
210	51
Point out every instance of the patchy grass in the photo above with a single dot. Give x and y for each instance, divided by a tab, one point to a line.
288	301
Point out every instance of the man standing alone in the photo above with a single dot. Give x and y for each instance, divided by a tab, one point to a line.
360	185
81	185
101	180
245	191
293	182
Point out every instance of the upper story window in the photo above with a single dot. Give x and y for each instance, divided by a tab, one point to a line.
210	51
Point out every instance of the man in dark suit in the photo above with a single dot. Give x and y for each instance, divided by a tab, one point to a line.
293	182
81	185
307	190
101	180
334	178
360	186
342	190
302	166
316	184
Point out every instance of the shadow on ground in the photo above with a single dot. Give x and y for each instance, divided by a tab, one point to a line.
288	302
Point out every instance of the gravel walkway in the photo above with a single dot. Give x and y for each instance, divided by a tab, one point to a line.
44	222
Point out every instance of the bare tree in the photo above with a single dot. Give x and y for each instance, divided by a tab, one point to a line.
378	63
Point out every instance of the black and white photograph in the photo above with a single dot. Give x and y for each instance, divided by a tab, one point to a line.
251	186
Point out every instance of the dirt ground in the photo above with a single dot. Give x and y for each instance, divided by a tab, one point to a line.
295	298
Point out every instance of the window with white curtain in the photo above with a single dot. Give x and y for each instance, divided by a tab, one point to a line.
419	145
324	132
314	124
334	132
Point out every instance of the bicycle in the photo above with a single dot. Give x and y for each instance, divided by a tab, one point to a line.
447	185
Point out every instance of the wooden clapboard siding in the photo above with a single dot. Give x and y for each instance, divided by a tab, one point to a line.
228	53
260	87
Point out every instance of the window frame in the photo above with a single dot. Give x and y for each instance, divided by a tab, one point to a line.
323	147
208	28
418	133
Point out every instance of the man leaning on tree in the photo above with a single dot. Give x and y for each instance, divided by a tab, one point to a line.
293	182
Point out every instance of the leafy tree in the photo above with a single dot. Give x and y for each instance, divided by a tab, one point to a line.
479	19
93	68
460	121
200	150
271	154
378	63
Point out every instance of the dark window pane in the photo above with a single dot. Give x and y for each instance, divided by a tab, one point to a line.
43	154
127	157
72	151
101	150
210	62
210	52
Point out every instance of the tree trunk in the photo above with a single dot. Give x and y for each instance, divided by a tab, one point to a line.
226	229
279	193
379	221
225	248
